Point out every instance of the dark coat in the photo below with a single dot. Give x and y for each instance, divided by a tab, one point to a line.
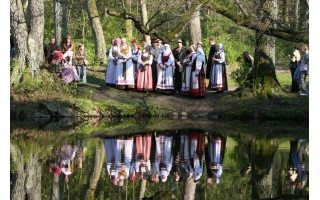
209	63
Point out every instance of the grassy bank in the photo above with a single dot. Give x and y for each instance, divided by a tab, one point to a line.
46	96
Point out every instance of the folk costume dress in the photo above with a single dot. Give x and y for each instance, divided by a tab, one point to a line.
218	72
198	77
143	150
135	57
164	156
112	66
165	72
144	72
125	69
216	149
186	73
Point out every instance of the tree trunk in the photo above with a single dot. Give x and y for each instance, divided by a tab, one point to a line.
144	16
304	15
18	192
100	45
194	26
285	11
129	28
190	189
35	56
296	14
19	32
264	75
143	185
60	21
33	181
99	157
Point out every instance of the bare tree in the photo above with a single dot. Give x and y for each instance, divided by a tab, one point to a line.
194	25
144	15
100	44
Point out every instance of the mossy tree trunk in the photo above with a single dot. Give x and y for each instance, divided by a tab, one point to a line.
264	75
99	41
18	191
19	31
60	20
35	56
190	189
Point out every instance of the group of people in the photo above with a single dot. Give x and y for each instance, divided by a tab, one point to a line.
67	63
157	67
299	68
154	157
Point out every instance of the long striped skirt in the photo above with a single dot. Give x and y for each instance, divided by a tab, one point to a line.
198	82
144	79
125	75
111	72
219	78
186	76
165	80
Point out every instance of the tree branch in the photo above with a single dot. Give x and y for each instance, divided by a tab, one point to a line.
255	24
152	17
244	11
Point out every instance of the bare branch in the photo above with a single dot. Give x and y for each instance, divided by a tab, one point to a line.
152	17
244	11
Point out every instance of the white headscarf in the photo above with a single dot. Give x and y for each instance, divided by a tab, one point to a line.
166	51
200	56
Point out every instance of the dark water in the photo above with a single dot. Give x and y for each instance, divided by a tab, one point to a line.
159	159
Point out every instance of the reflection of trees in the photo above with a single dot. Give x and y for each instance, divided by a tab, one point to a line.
190	189
28	182
96	172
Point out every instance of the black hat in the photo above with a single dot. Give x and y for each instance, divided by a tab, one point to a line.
155	40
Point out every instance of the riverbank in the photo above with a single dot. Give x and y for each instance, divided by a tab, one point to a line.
47	98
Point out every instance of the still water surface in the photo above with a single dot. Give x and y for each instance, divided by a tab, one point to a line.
173	159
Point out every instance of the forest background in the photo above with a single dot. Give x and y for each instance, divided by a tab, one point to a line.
222	34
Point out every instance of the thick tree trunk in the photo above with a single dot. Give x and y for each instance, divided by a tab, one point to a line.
194	26
100	45
35	56
18	191
33	181
190	190
19	32
60	21
144	16
129	28
99	157
264	75
304	15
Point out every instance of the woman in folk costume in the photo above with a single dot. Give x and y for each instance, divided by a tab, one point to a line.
143	149
216	150
144	71
196	153
164	156
218	73
123	158
125	70
186	73
112	62
109	145
198	77
136	52
165	70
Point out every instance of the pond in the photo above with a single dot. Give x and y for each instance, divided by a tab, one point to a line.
158	159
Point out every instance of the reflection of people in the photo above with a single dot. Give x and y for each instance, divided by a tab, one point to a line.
216	150
67	155
143	149
164	156
297	172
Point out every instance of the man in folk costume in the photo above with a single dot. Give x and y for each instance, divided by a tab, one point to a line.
218	73
136	53
216	150
179	54
155	52
112	62
186	72
144	71
165	70
198	79
164	156
125	69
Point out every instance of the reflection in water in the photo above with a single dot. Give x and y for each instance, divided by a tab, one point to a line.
177	164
